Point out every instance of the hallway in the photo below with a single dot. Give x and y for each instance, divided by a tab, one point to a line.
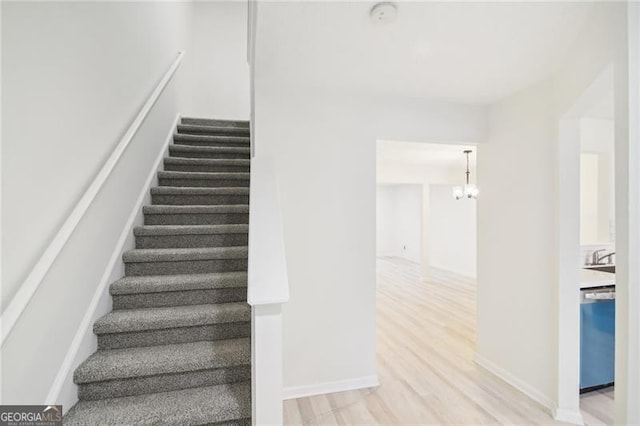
426	339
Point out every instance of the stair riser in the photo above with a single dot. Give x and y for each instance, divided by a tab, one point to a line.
205	183
221	144
185	267
212	406
190	241
174	335
179	298
205	168
216	123
199	200
162	383
196	219
213	154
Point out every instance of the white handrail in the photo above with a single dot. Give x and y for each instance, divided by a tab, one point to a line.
32	282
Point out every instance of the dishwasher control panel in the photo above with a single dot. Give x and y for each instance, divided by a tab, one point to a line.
595	295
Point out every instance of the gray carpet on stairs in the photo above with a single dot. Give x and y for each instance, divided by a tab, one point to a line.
170	195
196	215
220	180
206	164
213	152
176	349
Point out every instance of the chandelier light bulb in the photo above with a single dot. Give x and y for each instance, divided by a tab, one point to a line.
458	192
470	191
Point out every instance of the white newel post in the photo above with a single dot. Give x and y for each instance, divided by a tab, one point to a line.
266	387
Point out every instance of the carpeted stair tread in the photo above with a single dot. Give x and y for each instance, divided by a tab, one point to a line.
184	254
200	164
169	359
168	214
214	122
211	150
188	190
163	283
199	195
204	175
195	406
170	209
130	320
212	130
240	162
211	140
149	230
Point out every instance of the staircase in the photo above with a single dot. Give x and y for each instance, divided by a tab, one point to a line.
176	348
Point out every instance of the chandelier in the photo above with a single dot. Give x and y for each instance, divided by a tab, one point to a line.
469	190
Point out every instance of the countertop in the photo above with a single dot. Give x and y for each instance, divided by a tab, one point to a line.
590	278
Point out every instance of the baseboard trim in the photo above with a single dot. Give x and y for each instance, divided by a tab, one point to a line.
330	387
564	415
516	382
84	337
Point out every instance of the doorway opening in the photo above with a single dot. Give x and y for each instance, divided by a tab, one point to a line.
587	255
418	218
426	292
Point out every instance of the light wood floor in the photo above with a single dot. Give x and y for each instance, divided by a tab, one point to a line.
597	407
425	348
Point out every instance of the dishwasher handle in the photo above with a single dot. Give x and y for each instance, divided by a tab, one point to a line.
600	295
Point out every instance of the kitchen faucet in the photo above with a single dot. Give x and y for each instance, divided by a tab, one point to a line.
594	256
609	255
595	259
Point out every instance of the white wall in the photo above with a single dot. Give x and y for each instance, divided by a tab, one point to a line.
521	334
327	195
600	49
629	372
589	205
419	173
516	239
71	86
452	230
325	147
627	152
597	135
384	221
220	73
399	221
597	214
71	90
74	76
321	141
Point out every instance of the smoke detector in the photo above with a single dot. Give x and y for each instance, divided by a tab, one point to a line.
383	13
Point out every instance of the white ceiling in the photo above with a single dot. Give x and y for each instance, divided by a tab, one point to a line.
427	154
474	52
